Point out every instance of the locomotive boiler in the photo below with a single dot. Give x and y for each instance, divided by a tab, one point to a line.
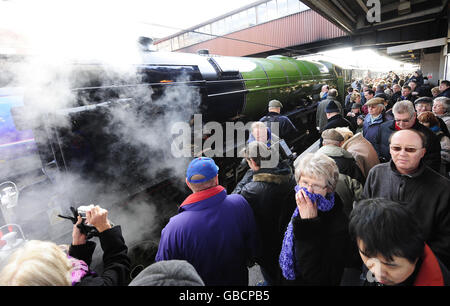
115	132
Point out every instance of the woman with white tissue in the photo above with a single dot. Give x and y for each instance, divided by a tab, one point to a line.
316	243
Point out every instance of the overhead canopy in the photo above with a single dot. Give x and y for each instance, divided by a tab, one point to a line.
400	22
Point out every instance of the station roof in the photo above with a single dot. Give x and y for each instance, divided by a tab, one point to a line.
400	22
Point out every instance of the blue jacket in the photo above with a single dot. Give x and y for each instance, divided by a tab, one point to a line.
214	232
370	129
286	130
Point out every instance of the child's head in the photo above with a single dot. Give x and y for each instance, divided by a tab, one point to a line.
360	120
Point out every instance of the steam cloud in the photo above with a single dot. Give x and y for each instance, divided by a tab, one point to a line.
62	37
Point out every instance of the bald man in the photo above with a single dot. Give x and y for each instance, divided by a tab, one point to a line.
408	180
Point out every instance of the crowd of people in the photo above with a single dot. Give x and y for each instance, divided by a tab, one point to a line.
369	207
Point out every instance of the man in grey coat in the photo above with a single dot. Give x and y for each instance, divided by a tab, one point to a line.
408	180
321	115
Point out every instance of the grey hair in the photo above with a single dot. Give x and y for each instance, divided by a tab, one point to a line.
402	107
318	165
257	151
196	187
331	142
333	93
258	124
445	103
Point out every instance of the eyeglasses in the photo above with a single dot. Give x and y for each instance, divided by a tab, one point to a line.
402	120
312	186
408	149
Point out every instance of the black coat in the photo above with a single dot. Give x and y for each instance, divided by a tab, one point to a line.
424	91
345	162
349	167
395	97
353	121
116	263
336	121
322	247
271	194
443	126
410	97
445	93
433	148
426	193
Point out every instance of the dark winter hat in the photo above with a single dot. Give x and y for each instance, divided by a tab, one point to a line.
382	95
362	117
168	273
425	100
332	134
356	105
203	166
275	103
332	107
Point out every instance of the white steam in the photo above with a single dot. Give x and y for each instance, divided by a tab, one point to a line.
58	34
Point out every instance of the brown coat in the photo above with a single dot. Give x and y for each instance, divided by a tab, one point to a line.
364	153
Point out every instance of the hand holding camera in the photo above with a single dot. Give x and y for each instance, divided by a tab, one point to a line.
88	222
97	217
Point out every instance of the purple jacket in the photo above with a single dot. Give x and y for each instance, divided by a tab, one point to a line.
214	232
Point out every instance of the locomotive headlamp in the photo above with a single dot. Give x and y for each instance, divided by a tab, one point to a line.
8	194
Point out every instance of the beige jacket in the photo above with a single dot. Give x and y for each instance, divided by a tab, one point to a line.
364	153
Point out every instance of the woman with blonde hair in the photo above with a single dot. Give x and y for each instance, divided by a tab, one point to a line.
316	242
43	263
435	91
37	263
345	132
355	97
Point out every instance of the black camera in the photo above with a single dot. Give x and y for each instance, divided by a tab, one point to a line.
86	229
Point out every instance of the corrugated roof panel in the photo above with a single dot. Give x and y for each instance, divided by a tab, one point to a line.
301	28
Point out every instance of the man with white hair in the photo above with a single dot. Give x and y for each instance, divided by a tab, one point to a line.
397	93
424	104
324	92
374	119
406	118
441	108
